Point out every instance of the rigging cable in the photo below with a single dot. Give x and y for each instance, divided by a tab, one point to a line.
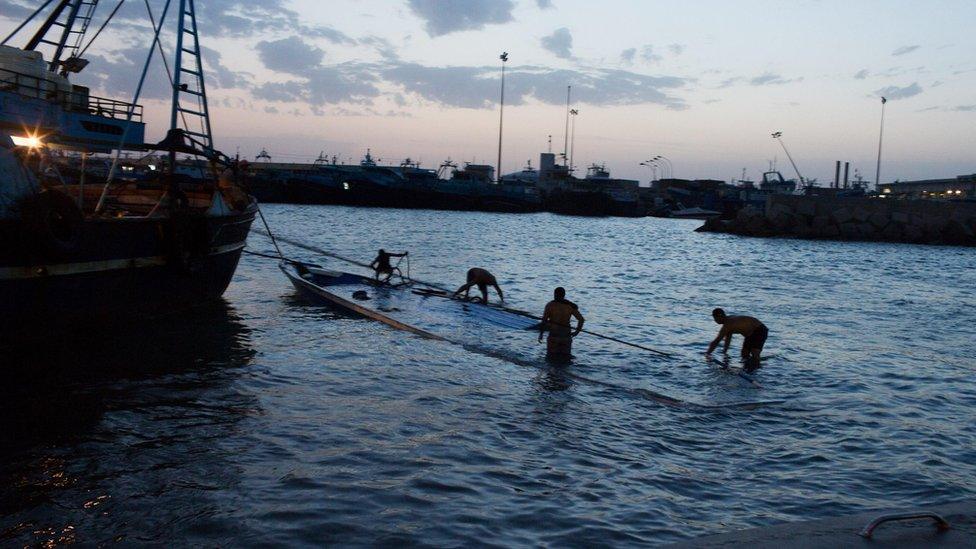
24	24
128	120
100	29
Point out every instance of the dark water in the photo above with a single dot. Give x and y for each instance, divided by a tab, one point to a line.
265	420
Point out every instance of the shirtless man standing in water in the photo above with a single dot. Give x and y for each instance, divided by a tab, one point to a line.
556	319
754	331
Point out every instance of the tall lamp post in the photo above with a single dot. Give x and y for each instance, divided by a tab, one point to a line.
572	143
663	163
877	173
566	132
670	165
501	113
652	164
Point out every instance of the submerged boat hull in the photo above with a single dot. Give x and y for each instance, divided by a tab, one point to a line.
506	334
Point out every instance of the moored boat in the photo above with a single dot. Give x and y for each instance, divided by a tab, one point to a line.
73	250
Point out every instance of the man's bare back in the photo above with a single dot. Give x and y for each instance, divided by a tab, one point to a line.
482	279
754	332
556	319
742	325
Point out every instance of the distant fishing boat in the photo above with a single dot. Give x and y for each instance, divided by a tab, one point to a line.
693	213
76	249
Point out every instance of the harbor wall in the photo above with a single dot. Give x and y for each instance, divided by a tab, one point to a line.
845	218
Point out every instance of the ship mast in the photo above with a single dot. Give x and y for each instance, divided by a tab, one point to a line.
189	92
77	14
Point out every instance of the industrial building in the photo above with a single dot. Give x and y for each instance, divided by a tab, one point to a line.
962	186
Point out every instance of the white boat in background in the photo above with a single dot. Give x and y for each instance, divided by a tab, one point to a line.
694	213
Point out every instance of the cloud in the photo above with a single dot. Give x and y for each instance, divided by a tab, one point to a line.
894	92
861	74
544	4
728	82
476	87
771	78
648	55
676	49
271	109
290	55
17	11
957	108
559	43
116	73
243	18
218	74
904	50
627	56
343	83
446	16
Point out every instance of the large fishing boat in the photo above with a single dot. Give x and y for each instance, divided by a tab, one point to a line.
75	250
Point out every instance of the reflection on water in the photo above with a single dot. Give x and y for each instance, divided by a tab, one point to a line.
114	405
269	420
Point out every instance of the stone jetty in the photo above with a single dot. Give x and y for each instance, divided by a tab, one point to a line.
843	218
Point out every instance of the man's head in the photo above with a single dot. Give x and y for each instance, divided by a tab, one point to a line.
382	251
559	293
719	316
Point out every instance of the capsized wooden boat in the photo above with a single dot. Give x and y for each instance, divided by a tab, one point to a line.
510	335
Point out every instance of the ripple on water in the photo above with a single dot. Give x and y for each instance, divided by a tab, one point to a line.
270	421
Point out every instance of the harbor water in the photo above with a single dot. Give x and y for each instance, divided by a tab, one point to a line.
268	420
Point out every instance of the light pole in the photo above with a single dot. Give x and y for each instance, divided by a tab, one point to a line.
877	173
501	113
566	133
572	143
665	166
778	137
652	164
670	165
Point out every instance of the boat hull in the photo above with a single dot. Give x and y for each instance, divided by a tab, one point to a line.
116	268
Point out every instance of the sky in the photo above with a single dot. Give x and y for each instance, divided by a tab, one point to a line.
702	83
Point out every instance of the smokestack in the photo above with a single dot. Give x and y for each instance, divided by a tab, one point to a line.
847	168
837	175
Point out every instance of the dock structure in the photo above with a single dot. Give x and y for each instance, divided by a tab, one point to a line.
959	187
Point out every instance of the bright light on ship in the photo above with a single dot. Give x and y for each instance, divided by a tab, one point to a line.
30	141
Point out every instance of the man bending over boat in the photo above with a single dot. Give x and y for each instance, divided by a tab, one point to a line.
381	265
556	319
751	328
482	279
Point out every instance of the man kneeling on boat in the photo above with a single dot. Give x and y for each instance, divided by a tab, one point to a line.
751	328
482	279
382	265
556	319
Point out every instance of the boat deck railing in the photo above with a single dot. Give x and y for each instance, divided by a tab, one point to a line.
73	100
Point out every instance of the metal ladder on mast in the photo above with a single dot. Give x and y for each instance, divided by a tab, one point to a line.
188	80
73	16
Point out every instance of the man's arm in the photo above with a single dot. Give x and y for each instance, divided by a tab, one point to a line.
579	322
499	290
728	341
462	288
721	333
400	255
544	324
